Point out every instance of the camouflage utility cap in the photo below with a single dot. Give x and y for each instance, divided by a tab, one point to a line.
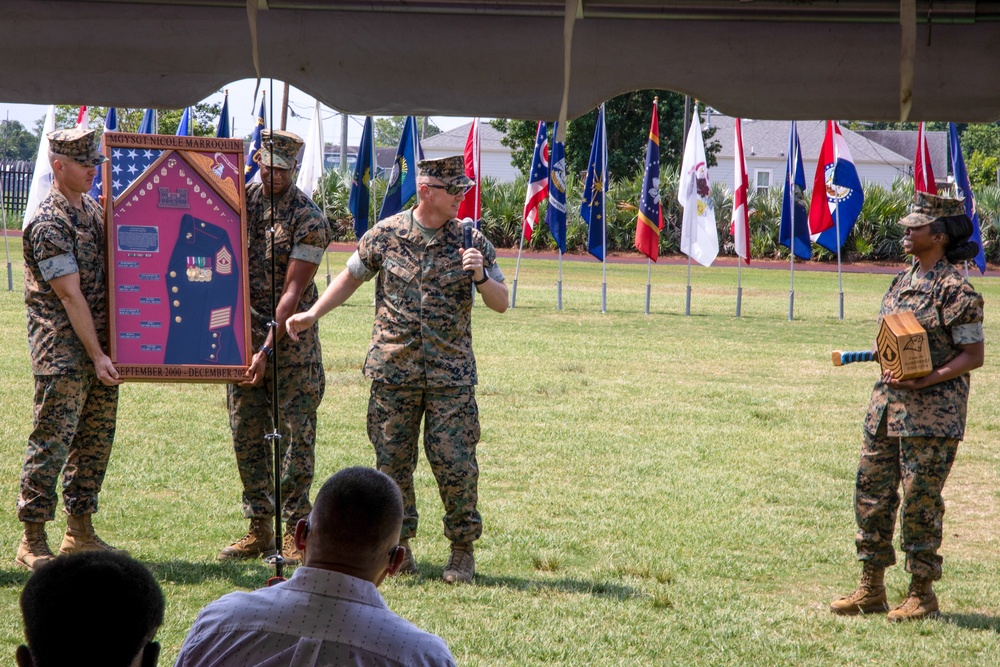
284	151
927	208
76	144
448	170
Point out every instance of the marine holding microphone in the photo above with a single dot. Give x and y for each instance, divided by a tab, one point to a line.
420	360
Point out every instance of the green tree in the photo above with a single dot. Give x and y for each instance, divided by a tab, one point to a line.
627	121
389	130
16	142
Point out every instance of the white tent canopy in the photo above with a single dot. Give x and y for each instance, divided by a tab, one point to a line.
777	59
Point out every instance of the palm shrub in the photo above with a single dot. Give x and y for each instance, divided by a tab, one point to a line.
332	197
503	207
765	220
988	208
877	234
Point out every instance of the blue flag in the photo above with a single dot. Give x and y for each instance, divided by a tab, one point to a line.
592	208
184	127
965	190
147	122
403	181
222	130
794	216
358	202
555	215
110	125
253	155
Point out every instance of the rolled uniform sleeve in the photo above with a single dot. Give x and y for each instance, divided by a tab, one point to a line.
54	252
358	269
310	238
366	261
962	313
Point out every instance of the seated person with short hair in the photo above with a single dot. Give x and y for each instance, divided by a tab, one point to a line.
91	608
329	612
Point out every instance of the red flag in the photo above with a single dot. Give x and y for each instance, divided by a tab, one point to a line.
740	227
650	221
82	118
923	172
472	205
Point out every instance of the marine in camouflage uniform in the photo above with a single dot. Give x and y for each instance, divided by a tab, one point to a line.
76	393
911	434
420	361
300	239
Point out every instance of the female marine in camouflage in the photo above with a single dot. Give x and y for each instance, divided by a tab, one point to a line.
913	427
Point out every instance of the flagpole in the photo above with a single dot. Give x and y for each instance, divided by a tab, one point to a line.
604	213
687	130
322	186
739	285
840	276
477	155
559	283
374	178
687	301
517	268
649	277
6	243
793	160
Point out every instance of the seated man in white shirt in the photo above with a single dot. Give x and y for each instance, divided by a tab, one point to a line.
329	612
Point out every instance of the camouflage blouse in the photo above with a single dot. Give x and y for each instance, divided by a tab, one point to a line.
61	240
951	312
423	302
300	233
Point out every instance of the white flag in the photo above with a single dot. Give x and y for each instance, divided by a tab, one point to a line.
311	169
741	224
41	180
699	235
83	118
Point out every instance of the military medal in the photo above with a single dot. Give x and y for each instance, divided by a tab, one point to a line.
190	268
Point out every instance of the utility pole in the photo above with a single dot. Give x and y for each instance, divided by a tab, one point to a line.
343	143
284	106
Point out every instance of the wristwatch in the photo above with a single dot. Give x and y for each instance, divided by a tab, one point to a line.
480	282
268	350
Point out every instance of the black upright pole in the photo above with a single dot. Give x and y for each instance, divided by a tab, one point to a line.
274	437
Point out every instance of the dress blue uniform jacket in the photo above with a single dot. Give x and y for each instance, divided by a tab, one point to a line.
203	286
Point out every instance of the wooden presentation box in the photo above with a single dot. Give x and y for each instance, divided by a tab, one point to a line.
177	257
903	347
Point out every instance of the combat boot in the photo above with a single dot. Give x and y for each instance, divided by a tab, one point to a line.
869	598
34	548
80	536
409	565
289	553
259	541
920	602
461	566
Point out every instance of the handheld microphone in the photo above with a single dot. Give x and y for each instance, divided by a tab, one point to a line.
467	226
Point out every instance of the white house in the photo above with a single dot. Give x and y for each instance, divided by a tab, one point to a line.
494	156
765	143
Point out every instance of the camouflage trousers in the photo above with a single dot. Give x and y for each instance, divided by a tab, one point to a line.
300	390
921	464
451	431
74	430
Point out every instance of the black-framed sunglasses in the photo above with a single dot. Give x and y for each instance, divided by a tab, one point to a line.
453	190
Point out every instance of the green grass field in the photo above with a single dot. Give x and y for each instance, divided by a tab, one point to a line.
656	490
